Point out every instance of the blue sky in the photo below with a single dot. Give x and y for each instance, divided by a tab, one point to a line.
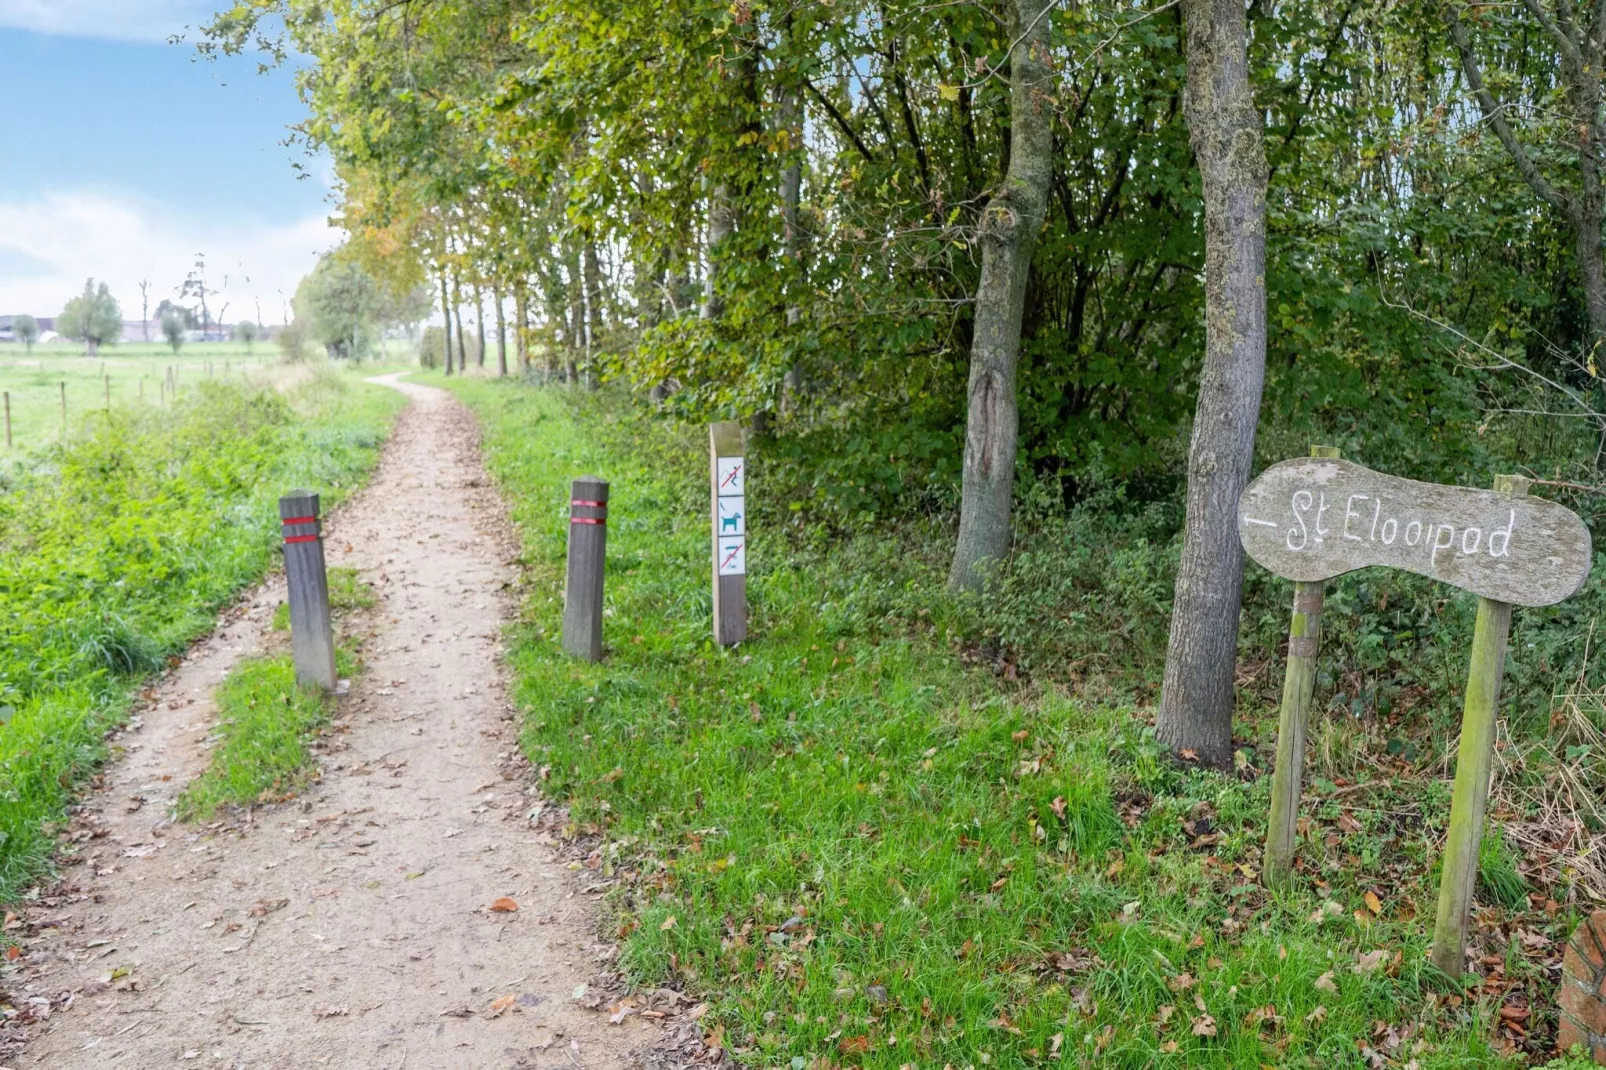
125	156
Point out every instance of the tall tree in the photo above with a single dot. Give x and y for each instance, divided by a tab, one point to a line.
1578	33
93	318
1008	235
1196	700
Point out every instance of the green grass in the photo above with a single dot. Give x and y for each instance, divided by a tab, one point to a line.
347	591
118	548
268	727
862	853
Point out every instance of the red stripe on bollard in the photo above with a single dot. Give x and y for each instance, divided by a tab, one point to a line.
300	520
302	538
585	520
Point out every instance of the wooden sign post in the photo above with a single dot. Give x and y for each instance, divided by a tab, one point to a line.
588	551
312	639
1311	520
728	474
1299	683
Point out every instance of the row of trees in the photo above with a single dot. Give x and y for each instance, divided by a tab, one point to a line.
953	246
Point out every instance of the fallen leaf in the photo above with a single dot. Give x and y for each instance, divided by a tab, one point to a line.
1373	903
504	905
1317	1015
265	907
13	953
669	923
331	1012
854	1045
499	1005
1370	961
1170	1047
1204	1026
1188	754
1324	983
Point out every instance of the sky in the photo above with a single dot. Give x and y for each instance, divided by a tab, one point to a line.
125	158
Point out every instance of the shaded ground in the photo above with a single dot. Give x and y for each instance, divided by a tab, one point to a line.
355	928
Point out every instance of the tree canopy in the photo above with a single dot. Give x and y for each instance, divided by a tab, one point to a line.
93	317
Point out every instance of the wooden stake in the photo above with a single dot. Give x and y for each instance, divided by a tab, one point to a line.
312	638
1299	682
8	419
64	407
1474	761
107	380
588	551
728	476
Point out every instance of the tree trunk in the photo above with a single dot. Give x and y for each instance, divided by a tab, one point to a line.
501	334
446	318
1008	234
521	325
576	327
721	225
593	281
1224	127
457	311
479	323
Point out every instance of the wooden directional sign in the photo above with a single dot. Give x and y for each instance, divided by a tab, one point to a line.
1313	519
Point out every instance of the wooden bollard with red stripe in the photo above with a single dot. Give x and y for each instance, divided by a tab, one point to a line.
588	546
312	638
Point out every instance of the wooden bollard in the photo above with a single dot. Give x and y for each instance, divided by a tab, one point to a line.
1474	760
1299	683
311	636
588	548
728	476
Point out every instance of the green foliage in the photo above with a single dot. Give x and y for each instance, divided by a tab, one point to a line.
1498	878
93	317
173	327
840	837
118	548
26	328
247	332
269	729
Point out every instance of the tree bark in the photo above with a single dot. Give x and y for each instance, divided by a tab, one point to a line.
576	327
501	334
593	281
521	325
479	322
721	225
1008	234
446	318
1224	127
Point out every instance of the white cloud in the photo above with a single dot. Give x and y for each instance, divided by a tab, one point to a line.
135	20
65	238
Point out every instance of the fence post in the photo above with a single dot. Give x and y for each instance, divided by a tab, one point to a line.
311	636
64	407
728	477
588	546
1299	681
108	383
8	419
1474	760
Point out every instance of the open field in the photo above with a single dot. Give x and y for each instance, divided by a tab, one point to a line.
125	374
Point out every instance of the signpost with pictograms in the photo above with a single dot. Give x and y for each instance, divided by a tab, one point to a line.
729	477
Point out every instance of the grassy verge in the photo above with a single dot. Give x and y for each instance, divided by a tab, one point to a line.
268	727
119	547
865	855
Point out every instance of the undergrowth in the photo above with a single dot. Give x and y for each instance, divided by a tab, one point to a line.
862	847
118	547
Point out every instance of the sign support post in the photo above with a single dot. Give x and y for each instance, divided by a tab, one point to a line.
312	638
728	474
1304	642
1473	763
588	550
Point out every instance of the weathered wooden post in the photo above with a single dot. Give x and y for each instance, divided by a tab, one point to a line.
588	548
64	407
1474	759
311	636
107	382
8	419
1304	643
728	474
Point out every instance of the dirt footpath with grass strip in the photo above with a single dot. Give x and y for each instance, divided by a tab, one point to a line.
405	912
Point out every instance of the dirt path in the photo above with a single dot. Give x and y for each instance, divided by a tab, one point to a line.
352	930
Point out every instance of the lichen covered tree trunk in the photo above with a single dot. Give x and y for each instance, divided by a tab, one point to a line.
1008	234
1195	713
501	334
446	319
